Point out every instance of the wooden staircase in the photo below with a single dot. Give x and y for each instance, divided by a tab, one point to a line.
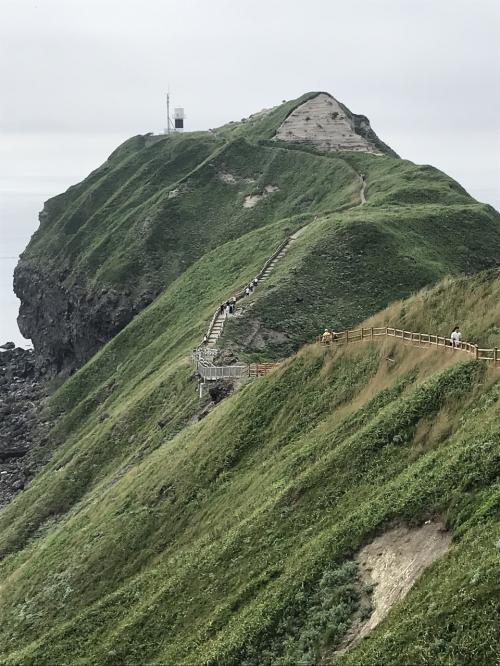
217	323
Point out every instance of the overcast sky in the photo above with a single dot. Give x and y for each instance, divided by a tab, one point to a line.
425	72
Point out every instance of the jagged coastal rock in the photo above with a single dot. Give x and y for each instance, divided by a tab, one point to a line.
69	322
21	431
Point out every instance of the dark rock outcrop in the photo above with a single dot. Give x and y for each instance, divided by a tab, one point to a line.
220	389
69	322
22	432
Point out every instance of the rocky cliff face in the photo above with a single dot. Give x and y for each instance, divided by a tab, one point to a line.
69	322
22	433
329	126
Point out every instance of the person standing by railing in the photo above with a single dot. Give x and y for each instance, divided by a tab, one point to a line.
326	338
456	337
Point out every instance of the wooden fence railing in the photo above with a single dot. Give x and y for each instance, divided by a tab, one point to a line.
261	369
418	339
210	372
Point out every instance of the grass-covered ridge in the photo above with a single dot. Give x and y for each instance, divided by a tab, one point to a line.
352	263
161	204
230	540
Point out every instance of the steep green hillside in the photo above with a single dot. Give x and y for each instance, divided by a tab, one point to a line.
108	246
157	220
417	226
231	540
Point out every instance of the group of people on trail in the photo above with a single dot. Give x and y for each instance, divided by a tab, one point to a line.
228	307
251	286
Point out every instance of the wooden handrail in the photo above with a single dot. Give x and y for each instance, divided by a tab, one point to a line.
421	339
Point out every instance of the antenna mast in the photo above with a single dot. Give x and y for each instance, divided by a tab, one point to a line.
179	116
168	112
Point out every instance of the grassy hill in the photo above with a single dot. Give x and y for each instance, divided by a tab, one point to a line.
168	530
231	540
108	246
417	226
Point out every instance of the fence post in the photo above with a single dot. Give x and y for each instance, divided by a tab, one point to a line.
477	352
419	339
362	331
347	336
371	333
495	357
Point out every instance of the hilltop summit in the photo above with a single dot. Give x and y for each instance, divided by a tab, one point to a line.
108	246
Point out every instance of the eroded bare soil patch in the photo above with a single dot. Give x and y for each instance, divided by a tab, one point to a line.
392	563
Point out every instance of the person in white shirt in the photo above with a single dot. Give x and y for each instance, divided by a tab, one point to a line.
456	337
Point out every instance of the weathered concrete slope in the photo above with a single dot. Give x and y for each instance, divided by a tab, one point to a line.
324	123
